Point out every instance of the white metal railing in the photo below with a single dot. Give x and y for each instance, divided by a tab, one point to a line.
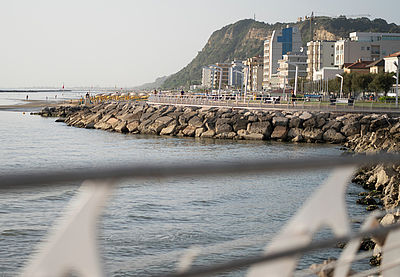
271	103
72	249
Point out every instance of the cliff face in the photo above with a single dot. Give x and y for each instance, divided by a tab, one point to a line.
245	39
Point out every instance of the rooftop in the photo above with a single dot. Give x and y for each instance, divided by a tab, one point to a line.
394	55
360	64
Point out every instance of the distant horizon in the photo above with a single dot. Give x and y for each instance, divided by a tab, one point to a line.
130	43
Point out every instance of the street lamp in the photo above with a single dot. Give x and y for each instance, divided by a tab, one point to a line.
295	78
341	84
397	84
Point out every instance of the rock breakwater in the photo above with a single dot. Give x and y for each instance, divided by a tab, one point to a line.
226	123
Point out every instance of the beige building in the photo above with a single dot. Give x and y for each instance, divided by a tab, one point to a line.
366	46
287	69
320	54
255	66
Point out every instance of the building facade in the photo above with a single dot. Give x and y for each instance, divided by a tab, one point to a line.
320	54
211	75
287	68
366	46
236	74
278	44
391	61
254	70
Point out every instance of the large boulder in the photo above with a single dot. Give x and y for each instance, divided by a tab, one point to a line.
121	127
295	122
294	132
263	128
243	134
312	134
306	116
169	130
280	121
189	131
332	136
208	134
351	129
223	128
378	124
240	124
280	133
196	121
133	126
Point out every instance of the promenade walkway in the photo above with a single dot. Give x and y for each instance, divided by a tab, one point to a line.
268	104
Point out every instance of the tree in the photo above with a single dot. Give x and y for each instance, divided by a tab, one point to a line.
361	81
382	82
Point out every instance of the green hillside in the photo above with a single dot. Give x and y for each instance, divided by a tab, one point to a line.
245	39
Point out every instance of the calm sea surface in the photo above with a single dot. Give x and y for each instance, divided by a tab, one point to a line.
145	220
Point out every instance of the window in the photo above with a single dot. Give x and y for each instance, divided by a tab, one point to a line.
368	48
362	48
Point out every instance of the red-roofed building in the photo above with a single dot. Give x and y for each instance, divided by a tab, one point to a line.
359	66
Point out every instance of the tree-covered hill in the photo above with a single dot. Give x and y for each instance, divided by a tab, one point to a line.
245	39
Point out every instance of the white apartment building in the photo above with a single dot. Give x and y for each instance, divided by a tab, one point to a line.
320	54
391	61
207	77
278	44
366	46
287	69
254	69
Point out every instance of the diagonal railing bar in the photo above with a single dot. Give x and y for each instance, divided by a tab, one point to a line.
41	178
245	262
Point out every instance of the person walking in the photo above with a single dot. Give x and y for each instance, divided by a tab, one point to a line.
293	99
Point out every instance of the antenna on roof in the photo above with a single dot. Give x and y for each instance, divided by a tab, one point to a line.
254	17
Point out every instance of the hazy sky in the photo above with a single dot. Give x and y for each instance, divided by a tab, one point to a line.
130	42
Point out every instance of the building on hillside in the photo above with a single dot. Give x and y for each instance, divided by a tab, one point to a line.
236	74
327	73
377	66
254	69
287	69
366	46
320	54
391	61
278	44
359	66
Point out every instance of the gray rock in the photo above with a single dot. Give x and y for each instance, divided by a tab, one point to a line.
351	129
332	136
263	128
196	121
306	116
312	134
378	124
294	132
280	121
240	124
310	123
223	128
295	122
